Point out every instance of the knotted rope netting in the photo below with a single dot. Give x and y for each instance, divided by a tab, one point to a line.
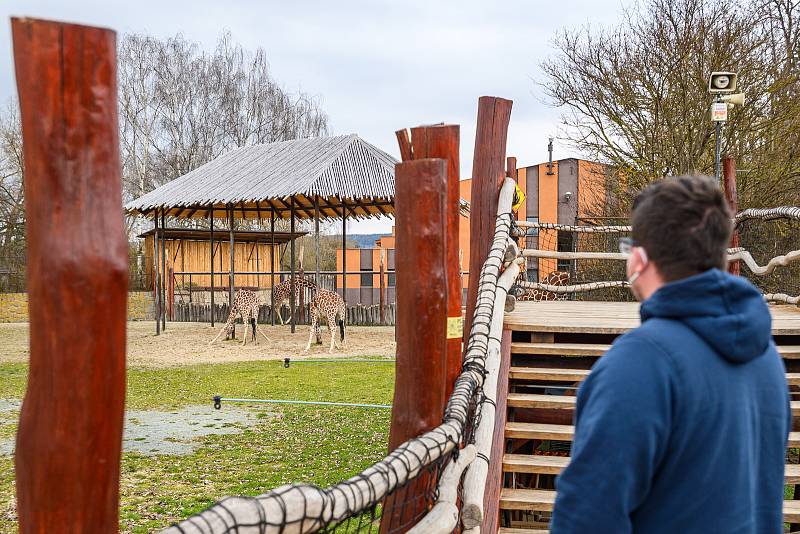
354	504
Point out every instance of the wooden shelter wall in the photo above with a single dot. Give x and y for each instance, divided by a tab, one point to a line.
194	256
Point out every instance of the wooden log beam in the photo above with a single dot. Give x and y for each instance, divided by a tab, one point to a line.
488	171
421	326
442	141
69	438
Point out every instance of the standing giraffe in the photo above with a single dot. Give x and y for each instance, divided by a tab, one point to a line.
555	278
282	292
246	303
330	305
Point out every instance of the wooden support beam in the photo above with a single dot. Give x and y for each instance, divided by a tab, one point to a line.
442	141
291	263
163	297
69	439
156	275
488	171
231	275
494	478
421	201
211	248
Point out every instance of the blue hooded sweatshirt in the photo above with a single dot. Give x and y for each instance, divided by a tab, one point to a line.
682	426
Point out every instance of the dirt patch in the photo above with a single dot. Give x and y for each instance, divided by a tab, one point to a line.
187	344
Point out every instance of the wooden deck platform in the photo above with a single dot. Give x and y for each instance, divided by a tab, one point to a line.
611	317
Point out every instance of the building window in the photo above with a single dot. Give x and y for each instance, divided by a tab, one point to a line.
566	243
390	279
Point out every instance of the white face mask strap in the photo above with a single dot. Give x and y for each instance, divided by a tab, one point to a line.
635	276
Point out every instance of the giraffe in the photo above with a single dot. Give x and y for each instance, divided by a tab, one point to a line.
246	303
331	305
555	278
282	292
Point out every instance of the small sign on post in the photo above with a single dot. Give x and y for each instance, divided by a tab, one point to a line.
719	112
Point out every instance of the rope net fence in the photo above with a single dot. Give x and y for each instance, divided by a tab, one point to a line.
584	263
423	470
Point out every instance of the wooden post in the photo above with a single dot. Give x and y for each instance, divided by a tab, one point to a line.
344	254
231	274
69	438
729	183
442	141
301	291
382	297
212	264
317	279
171	292
163	307
420	201
488	171
272	264
156	275
291	268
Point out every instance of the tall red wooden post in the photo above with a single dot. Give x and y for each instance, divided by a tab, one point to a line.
729	183
442	141
488	172
70	429
420	204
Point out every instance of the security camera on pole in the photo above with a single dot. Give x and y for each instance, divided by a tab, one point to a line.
722	85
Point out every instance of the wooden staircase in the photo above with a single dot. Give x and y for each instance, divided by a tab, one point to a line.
553	346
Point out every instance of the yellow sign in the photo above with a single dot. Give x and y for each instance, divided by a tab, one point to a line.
455	327
519	198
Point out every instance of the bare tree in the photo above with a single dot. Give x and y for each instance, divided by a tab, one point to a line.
635	95
181	107
12	199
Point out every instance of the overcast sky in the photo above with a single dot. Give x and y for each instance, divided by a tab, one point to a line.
376	65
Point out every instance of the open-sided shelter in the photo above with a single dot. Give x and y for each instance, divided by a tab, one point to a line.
318	178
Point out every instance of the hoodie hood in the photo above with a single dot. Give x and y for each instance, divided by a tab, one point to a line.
725	310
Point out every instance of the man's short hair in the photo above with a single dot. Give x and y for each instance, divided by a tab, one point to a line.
684	224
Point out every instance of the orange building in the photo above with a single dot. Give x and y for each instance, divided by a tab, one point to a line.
569	191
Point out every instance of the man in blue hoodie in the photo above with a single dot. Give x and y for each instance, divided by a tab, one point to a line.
682	426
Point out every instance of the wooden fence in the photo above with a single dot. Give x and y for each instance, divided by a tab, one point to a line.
358	315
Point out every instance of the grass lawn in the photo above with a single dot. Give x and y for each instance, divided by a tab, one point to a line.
321	445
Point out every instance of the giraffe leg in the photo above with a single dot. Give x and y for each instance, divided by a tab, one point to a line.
312	329
333	337
220	333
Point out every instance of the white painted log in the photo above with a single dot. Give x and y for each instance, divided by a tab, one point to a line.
755	268
475	479
782	298
578	229
767	214
552	254
443	517
575	288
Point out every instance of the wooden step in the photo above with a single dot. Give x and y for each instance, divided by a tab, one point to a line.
793	379
510	530
790	352
527	400
561	375
517	430
543	501
559	349
553	465
534	463
564	402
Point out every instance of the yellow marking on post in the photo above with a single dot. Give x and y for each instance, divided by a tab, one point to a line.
455	327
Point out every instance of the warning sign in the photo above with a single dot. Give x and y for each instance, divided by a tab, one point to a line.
455	327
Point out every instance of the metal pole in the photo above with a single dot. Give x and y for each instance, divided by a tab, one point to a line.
231	275
156	275
718	149
272	263
292	281
211	216
163	273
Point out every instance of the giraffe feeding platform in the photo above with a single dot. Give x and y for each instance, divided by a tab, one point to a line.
548	349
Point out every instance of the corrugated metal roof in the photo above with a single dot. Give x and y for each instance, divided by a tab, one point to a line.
343	167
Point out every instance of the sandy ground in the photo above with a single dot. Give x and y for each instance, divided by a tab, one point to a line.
187	344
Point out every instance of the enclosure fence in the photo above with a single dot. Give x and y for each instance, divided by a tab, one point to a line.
584	262
432	463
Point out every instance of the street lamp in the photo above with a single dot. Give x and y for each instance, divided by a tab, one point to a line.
722	85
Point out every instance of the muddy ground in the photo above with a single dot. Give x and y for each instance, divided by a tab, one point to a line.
187	344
